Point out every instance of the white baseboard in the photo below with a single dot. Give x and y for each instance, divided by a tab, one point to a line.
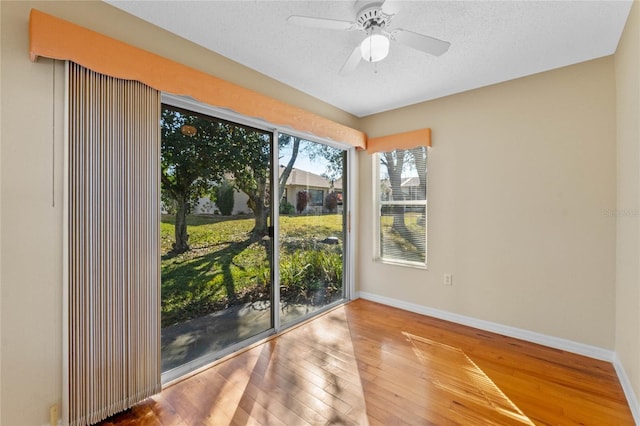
518	333
505	330
627	388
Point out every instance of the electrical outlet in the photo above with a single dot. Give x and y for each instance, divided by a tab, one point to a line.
53	415
448	279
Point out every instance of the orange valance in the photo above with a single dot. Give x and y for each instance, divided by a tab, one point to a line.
56	38
406	140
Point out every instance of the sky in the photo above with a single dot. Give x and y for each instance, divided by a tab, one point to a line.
317	166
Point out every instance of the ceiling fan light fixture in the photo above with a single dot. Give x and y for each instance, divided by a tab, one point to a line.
375	47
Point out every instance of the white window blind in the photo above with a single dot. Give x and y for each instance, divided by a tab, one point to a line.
401	177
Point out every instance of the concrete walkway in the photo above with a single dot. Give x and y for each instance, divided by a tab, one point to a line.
190	340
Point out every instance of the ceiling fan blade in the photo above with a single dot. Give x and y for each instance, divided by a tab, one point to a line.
330	24
351	62
420	42
390	7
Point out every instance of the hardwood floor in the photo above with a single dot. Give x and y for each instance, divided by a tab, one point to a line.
365	363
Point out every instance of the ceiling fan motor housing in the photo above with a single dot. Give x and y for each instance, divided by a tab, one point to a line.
371	16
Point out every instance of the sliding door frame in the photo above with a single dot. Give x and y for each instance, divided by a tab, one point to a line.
197	365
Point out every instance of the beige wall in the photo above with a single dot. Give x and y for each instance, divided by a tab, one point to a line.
520	177
627	66
31	228
1	84
31	178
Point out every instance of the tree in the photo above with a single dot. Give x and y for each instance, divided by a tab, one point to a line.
247	158
395	162
334	159
210	151
419	155
198	151
256	155
284	140
188	165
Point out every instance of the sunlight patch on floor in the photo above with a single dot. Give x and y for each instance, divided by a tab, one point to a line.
474	395
308	375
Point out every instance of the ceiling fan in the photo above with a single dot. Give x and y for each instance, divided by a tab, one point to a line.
374	19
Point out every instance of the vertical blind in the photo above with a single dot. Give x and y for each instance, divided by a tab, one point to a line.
113	248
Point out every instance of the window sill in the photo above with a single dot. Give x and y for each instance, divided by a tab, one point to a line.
415	265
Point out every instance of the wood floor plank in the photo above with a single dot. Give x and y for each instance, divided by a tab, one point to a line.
365	363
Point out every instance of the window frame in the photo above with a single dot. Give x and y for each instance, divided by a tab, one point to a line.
379	204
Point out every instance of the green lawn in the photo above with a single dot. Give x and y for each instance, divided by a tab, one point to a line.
225	266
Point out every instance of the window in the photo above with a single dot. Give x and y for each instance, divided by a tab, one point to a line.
401	182
316	197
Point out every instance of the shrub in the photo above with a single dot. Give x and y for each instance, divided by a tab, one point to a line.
302	199
331	201
224	198
310	276
286	207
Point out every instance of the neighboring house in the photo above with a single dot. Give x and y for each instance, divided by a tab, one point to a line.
410	188
206	206
299	180
317	186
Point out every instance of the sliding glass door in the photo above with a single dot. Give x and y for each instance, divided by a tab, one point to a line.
223	284
216	253
312	188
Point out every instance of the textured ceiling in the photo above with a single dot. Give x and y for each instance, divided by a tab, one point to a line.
491	42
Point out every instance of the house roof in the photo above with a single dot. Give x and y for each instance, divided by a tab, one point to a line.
412	181
300	177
